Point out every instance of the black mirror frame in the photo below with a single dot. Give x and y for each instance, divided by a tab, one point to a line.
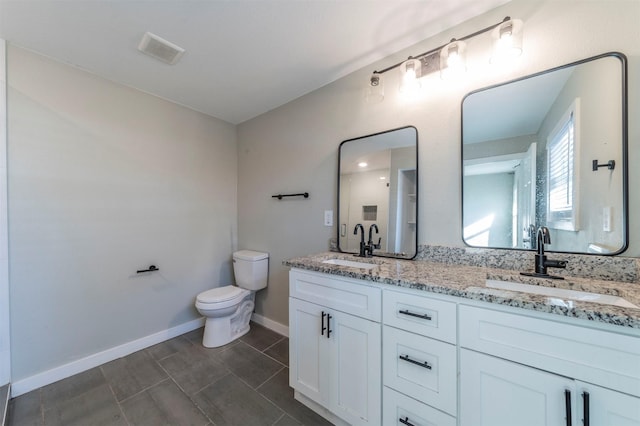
625	142
417	191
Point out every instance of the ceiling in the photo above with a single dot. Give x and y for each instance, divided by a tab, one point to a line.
511	110
243	57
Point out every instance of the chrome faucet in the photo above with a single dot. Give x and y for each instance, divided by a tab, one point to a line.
543	237
363	247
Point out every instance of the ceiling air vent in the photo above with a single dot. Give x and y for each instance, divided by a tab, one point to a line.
159	48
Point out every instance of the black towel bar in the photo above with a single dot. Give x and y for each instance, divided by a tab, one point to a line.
281	196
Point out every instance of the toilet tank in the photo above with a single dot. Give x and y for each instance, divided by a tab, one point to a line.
251	269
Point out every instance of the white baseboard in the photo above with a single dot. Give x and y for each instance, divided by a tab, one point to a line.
271	324
62	372
5	403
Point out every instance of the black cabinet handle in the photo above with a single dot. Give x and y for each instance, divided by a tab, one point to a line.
567	405
412	314
323	328
585	408
405	421
423	364
328	325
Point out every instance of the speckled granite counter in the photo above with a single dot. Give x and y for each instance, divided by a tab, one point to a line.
470	282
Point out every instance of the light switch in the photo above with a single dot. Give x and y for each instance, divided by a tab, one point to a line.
328	218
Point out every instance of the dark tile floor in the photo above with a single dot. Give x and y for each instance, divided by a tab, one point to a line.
177	382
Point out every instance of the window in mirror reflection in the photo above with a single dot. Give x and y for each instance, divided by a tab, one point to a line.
562	173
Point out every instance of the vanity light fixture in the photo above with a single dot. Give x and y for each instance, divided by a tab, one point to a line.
375	90
450	58
410	71
507	41
453	59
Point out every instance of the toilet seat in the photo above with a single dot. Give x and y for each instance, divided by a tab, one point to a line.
221	297
219	294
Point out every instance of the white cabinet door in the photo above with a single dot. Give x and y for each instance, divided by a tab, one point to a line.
355	362
308	351
600	406
335	361
495	392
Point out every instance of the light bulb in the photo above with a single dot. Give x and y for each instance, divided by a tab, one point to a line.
410	70
508	41
453	60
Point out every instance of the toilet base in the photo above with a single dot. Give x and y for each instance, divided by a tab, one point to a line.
218	331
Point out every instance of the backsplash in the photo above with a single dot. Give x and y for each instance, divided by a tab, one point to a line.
609	268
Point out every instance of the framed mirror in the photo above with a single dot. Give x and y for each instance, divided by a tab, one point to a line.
550	150
378	188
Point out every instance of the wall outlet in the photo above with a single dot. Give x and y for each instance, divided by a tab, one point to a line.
328	218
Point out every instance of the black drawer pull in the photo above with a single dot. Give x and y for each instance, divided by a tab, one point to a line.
329	325
412	314
405	421
323	328
567	405
585	409
423	364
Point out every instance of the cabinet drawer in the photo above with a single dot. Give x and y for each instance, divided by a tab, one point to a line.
400	410
421	315
337	293
596	356
422	368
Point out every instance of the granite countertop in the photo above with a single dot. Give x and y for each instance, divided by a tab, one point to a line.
470	282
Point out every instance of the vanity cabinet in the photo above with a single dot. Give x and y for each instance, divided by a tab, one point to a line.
368	354
516	369
419	355
335	340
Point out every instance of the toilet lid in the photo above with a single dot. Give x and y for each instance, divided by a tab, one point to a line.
220	294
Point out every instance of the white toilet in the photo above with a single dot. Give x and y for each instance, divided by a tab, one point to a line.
228	309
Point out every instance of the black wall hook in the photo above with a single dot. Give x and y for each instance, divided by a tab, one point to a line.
611	164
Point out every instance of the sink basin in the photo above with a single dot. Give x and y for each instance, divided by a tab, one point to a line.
351	263
561	293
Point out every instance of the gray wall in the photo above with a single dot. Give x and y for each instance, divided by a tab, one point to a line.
105	180
596	129
488	201
294	148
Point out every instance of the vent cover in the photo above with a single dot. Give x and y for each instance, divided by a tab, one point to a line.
159	48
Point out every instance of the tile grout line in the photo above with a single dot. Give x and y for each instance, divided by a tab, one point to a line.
267	355
124	416
144	390
41	398
284	413
272	376
185	393
269	347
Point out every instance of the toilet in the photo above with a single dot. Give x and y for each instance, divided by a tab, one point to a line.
228	309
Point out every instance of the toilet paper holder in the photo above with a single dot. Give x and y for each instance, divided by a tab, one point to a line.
152	268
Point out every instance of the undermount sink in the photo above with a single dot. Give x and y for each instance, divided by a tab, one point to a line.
351	263
562	294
